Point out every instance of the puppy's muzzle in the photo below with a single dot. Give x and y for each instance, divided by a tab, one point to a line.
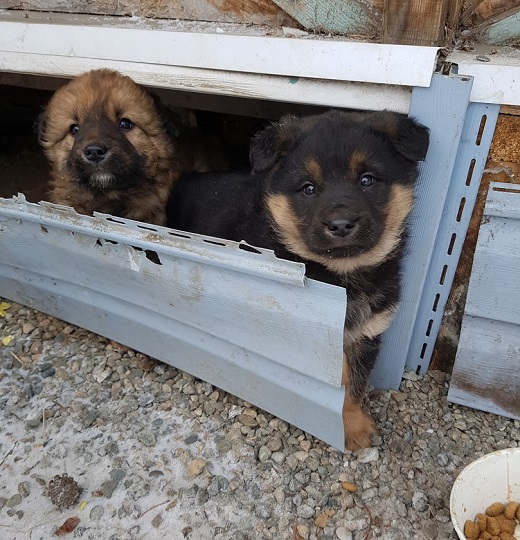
341	227
95	152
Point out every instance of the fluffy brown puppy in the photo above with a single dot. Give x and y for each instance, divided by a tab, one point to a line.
109	148
333	191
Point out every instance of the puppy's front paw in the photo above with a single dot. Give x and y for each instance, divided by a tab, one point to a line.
358	427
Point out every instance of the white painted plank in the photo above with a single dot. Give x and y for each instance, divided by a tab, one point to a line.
266	87
495	81
310	58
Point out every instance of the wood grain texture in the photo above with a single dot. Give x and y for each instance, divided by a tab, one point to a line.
477	12
231	11
491	21
415	23
336	16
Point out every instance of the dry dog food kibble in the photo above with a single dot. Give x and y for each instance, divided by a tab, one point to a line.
498	523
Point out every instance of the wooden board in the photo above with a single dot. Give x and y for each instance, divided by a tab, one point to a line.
337	16
230	11
491	21
486	374
421	22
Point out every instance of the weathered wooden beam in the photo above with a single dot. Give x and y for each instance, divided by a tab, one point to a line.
415	22
477	12
505	31
229	11
336	16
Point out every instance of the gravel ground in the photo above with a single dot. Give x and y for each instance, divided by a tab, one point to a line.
158	454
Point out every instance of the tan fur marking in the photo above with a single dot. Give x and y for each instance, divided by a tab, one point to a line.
286	222
399	206
357	162
313	168
357	425
374	326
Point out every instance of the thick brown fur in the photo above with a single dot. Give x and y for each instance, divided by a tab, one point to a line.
334	191
109	148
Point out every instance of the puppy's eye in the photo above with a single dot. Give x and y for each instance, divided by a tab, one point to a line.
309	189
124	123
367	180
73	129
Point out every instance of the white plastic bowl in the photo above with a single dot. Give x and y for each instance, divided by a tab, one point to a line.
492	478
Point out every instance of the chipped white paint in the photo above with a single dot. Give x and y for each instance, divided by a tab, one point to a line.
496	76
338	60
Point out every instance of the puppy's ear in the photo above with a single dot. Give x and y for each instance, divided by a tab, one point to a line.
172	121
409	137
39	127
271	144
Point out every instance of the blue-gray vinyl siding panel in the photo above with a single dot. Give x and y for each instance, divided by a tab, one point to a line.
248	323
486	373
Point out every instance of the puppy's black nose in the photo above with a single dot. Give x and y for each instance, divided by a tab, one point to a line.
341	227
95	152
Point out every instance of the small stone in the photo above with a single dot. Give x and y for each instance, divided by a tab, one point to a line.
157	520
89	416
217	485
321	520
147	438
15	500
343	534
247	420
303	530
278	457
262	510
274	444
443	459
306	445
223	446
145	399
23	489
27	328
235	410
305	511
33	420
420	501
300	455
108	487
196	466
367	455
97	513
369	494
279	494
201	497
190	439
264	454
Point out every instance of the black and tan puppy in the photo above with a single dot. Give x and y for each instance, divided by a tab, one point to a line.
334	191
114	148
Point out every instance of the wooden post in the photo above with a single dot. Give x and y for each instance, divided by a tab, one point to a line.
416	22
